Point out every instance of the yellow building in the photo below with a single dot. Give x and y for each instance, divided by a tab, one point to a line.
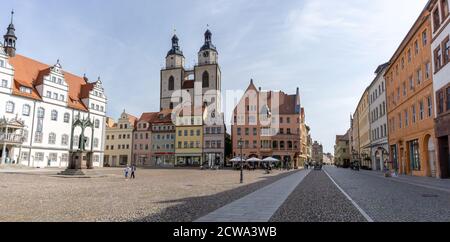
189	138
364	130
119	139
304	132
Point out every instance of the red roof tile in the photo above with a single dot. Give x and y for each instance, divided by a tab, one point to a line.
30	73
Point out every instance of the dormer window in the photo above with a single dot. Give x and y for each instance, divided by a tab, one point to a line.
55	96
60	81
53	79
25	89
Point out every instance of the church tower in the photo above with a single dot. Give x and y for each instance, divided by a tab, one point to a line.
208	75
10	38
175	57
172	76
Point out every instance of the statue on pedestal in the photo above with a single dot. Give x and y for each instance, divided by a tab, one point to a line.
80	159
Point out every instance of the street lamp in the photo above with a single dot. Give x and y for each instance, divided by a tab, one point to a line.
241	144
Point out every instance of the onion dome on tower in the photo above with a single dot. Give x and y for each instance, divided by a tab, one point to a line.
175	47
10	38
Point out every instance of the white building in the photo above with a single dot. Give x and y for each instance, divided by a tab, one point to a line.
440	48
45	101
379	143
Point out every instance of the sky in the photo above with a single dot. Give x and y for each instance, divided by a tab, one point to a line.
328	48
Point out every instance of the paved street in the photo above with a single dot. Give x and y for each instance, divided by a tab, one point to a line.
317	199
395	199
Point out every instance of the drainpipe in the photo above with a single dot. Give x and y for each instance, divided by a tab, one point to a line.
32	133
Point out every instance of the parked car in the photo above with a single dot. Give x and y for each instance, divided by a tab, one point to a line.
318	167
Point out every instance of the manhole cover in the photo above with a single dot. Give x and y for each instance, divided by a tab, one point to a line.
429	195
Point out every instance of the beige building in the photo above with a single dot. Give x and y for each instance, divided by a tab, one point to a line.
119	140
364	130
354	137
342	150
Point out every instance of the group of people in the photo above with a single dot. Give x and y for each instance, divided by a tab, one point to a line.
130	171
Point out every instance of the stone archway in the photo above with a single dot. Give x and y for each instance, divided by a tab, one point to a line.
430	154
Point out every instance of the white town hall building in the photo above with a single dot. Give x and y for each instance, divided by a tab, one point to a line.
38	106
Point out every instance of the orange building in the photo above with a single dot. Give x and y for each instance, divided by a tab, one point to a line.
410	96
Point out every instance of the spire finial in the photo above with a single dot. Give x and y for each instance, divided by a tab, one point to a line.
12	16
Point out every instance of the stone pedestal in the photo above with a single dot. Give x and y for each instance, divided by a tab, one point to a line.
79	161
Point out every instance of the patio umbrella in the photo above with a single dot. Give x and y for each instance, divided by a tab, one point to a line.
237	159
271	159
254	159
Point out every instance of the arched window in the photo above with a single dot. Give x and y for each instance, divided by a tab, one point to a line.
52	138
205	79
10	107
66	118
41	113
171	83
65	140
26	110
54	115
275	144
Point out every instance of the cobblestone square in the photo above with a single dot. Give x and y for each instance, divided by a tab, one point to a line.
156	194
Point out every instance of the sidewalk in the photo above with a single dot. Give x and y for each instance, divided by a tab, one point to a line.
427	182
259	206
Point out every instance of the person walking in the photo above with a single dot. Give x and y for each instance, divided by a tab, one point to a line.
126	172
133	172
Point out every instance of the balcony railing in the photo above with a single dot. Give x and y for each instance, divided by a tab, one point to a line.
11	138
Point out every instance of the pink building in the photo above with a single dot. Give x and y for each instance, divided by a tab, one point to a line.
142	140
269	125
